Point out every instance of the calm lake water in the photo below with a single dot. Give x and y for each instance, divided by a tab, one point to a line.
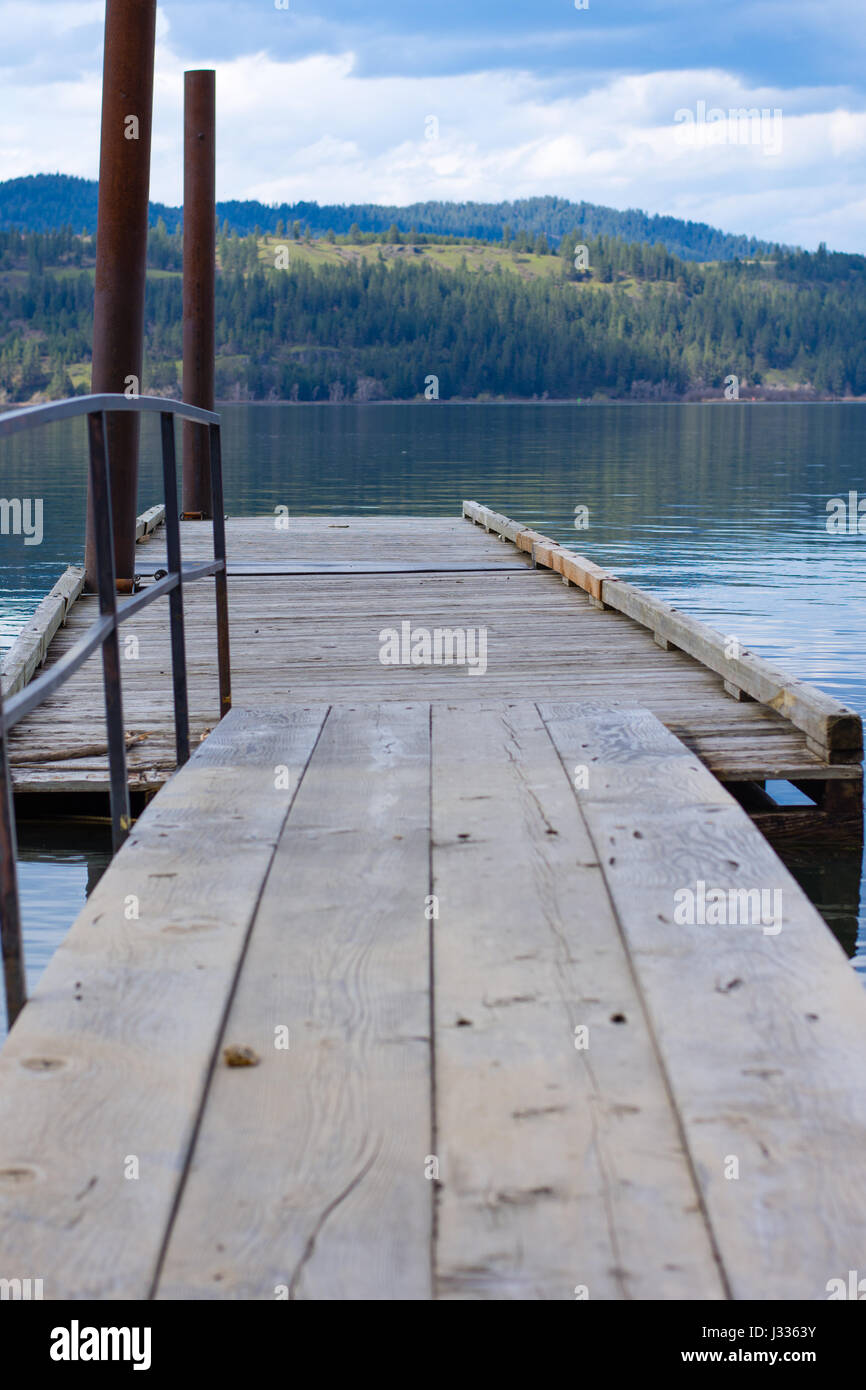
721	509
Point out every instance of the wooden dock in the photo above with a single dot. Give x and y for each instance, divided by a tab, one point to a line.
307	605
445	916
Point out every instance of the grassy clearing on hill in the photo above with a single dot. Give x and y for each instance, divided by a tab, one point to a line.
364	317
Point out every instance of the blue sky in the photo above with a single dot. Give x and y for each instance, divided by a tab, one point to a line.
332	100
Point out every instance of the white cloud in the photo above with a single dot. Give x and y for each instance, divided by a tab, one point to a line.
53	20
314	128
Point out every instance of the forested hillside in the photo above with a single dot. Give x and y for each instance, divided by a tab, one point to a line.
369	317
47	202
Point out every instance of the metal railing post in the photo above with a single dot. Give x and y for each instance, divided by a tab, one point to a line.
219	553
14	976
175	598
100	490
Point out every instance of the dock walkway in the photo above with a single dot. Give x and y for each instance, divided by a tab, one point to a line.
529	1006
308	603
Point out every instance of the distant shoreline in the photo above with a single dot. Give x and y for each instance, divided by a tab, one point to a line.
783	398
577	400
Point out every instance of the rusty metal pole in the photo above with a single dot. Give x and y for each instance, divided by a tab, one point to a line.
121	258
199	278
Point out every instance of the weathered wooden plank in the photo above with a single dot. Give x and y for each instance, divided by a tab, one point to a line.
102	1075
343	538
30	647
332	1134
316	638
823	718
580	571
149	521
830	724
492	521
762	1035
560	1163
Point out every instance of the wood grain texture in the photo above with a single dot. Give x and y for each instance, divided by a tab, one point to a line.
828	723
762	1036
30	648
315	638
281	881
560	1166
109	1058
309	1171
149	521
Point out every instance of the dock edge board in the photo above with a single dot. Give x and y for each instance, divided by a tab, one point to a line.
30	648
833	730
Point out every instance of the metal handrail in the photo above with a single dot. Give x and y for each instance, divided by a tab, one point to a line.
30	415
104	631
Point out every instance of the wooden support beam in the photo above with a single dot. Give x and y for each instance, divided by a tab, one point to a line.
834	731
30	647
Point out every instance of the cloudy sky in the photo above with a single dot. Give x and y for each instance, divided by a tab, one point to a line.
332	99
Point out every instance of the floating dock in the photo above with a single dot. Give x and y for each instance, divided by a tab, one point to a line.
308	603
423	983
